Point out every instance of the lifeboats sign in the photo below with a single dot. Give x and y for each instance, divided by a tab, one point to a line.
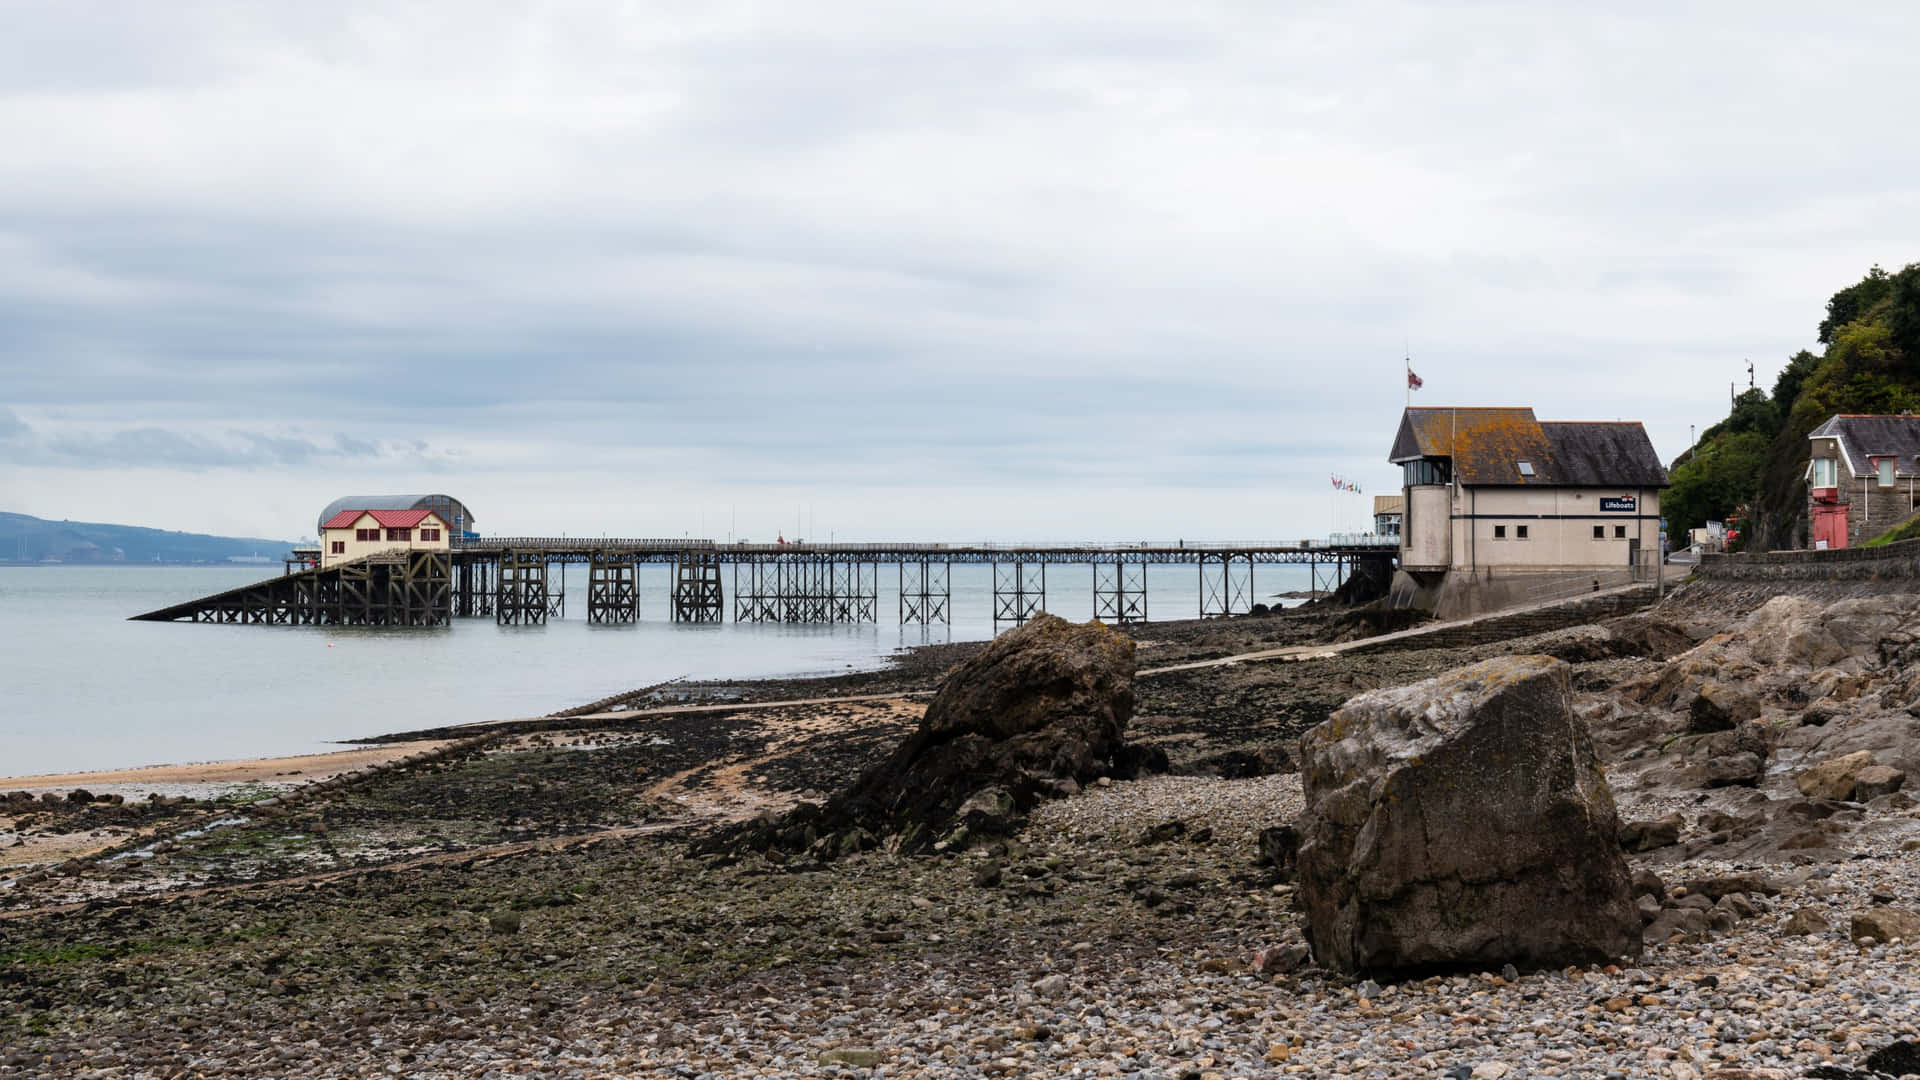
1625	504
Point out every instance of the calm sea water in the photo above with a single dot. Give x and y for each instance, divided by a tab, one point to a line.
82	688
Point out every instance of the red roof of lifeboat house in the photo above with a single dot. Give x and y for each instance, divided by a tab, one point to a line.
388	519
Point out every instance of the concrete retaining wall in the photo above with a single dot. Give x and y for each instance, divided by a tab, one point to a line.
1576	611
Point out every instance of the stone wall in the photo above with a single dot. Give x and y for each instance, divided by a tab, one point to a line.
1893	563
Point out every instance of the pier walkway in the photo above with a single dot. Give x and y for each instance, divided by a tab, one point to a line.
508	579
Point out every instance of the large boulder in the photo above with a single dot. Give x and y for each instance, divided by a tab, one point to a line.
1834	779
1719	707
1789	630
1462	823
1038	713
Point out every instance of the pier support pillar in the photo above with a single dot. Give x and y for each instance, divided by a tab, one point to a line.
1226	584
1019	592
697	595
756	592
521	597
853	592
926	592
613	588
1120	592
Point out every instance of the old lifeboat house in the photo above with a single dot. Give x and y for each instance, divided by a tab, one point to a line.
1501	509
355	534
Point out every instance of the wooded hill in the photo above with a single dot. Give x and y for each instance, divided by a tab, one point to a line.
27	539
1751	464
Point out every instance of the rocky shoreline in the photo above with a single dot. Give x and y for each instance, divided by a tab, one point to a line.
528	901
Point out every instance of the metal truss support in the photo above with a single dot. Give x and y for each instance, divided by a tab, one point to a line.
1226	585
1334	577
1019	592
926	592
1120	592
521	596
557	596
803	589
854	592
613	588
697	595
757	597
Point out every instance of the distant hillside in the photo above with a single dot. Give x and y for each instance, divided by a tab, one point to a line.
25	539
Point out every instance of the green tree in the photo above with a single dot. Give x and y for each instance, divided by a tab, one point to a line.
1786	388
1903	316
1723	473
1852	303
1753	411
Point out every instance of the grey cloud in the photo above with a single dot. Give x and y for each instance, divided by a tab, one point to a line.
1001	246
163	448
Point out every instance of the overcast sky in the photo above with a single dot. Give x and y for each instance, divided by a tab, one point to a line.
1022	271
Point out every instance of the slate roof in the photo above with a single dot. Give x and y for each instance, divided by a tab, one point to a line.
1863	437
1601	453
1486	446
388	519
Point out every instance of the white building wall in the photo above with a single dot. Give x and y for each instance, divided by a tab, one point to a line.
359	549
1425	528
1558	524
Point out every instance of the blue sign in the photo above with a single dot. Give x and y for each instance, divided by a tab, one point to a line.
1625	504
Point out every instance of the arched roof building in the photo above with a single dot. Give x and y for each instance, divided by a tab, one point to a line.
451	510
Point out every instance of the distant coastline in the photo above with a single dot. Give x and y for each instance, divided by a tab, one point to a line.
26	540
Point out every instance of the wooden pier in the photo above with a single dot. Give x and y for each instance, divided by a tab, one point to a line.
510	579
404	589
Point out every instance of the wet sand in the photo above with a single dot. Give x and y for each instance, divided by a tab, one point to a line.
198	779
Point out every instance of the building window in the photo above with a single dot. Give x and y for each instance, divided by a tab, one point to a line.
1519	532
1499	532
1619	532
429	534
1599	532
1526	468
399	534
1425	471
366	534
1823	472
339	547
1886	471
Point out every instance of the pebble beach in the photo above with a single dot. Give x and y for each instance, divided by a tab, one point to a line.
529	905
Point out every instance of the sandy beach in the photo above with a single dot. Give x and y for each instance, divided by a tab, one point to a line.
197	779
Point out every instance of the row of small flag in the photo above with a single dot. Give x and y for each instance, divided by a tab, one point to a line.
1346	485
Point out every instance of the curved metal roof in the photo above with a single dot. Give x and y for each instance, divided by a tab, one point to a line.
392	502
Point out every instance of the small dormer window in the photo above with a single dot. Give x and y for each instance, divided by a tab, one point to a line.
1886	471
1526	468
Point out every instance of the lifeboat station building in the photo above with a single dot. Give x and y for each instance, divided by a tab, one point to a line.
355	534
1500	508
